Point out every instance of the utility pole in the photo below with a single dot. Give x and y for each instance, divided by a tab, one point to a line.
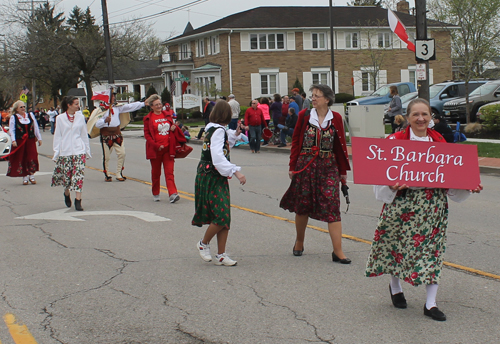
107	42
331	47
421	20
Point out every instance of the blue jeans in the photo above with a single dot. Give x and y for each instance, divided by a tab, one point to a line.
254	132
233	124
284	133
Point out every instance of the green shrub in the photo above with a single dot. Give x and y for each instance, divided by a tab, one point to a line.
166	96
151	90
196	114
490	117
243	109
343	97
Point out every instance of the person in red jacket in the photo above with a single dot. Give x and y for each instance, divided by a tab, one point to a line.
161	141
318	163
254	118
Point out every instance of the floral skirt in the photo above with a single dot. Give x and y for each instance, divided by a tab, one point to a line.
314	191
23	160
212	201
410	238
69	172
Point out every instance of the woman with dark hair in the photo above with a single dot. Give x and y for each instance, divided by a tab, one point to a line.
264	107
395	107
318	164
410	238
212	205
275	110
24	133
71	150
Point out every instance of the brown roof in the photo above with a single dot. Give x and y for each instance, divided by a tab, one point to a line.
304	17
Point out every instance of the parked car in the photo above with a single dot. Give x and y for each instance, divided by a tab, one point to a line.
5	142
381	95
479	114
455	110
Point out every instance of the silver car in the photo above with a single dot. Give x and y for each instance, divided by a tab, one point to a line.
5	142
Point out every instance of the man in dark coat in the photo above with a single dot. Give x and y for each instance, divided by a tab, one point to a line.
207	109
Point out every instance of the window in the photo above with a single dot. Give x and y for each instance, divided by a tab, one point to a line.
319	41
201	47
121	92
268	84
384	40
214	45
367	81
320	78
351	40
185	51
271	41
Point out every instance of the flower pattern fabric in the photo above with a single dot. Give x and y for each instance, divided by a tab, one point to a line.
410	238
69	172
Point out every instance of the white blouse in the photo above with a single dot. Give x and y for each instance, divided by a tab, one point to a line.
314	120
71	138
12	126
385	194
223	166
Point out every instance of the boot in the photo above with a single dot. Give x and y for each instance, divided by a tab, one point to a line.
78	204
67	200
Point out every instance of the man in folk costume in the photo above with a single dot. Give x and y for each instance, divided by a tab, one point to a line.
110	125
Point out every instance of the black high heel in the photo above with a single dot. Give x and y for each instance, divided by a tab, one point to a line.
341	261
67	200
297	253
78	204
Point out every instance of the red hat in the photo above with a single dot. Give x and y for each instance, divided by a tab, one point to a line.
295	90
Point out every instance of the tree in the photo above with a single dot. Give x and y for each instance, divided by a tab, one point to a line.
151	90
365	3
476	40
166	97
298	85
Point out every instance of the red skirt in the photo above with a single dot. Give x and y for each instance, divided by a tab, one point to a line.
23	161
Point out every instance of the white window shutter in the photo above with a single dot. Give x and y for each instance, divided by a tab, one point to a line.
244	41
196	48
209	43
396	42
374	40
358	83
307	80
255	85
217	45
364	40
382	77
189	47
337	82
431	76
307	39
340	40
405	75
283	83
290	40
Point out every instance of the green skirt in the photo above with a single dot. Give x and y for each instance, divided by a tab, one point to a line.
212	201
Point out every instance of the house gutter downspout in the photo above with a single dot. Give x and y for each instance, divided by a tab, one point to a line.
230	67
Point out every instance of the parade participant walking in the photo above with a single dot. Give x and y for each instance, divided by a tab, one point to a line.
111	135
161	141
71	150
24	133
318	164
253	121
212	205
410	238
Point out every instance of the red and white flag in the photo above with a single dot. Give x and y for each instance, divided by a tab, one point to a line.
399	29
101	96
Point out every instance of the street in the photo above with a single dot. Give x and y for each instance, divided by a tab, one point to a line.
126	270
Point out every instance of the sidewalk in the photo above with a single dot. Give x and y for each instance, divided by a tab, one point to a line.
486	165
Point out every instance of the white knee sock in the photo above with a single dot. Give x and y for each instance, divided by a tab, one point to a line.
432	290
396	285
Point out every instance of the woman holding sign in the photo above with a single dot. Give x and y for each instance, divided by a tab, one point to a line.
410	238
318	164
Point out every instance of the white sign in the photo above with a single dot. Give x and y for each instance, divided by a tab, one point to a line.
62	215
421	71
424	49
190	101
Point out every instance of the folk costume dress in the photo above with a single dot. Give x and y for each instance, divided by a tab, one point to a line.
23	160
212	200
410	239
319	157
71	148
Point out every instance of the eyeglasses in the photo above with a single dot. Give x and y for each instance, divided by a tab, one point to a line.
316	96
22	107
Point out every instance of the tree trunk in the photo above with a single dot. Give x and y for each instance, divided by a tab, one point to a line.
88	88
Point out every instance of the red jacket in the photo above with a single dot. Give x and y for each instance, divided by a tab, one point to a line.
339	145
254	117
405	135
176	137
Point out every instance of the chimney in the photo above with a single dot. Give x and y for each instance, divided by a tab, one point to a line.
403	6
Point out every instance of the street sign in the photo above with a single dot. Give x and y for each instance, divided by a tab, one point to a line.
425	49
421	71
177	79
23	97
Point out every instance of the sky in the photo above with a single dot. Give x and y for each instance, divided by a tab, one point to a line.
171	24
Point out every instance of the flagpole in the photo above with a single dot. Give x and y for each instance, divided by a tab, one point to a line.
331	49
421	20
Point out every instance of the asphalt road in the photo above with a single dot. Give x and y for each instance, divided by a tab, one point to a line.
128	272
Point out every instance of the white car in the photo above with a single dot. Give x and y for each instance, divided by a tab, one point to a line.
5	142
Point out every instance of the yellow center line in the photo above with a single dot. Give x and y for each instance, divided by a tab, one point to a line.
190	196
19	332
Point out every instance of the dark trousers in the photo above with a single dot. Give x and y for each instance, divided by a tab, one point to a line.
393	125
254	139
233	124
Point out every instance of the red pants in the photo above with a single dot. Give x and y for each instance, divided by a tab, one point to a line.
163	157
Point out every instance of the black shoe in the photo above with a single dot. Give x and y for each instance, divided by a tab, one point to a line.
297	253
398	300
78	204
434	313
281	145
341	261
67	200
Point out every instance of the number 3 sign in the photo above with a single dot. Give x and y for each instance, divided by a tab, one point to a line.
424	50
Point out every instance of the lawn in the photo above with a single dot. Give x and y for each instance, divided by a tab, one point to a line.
486	149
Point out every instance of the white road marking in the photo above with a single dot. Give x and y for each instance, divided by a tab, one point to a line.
62	215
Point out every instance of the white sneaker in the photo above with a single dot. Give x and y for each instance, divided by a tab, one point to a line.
156	198
174	198
204	251
223	259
